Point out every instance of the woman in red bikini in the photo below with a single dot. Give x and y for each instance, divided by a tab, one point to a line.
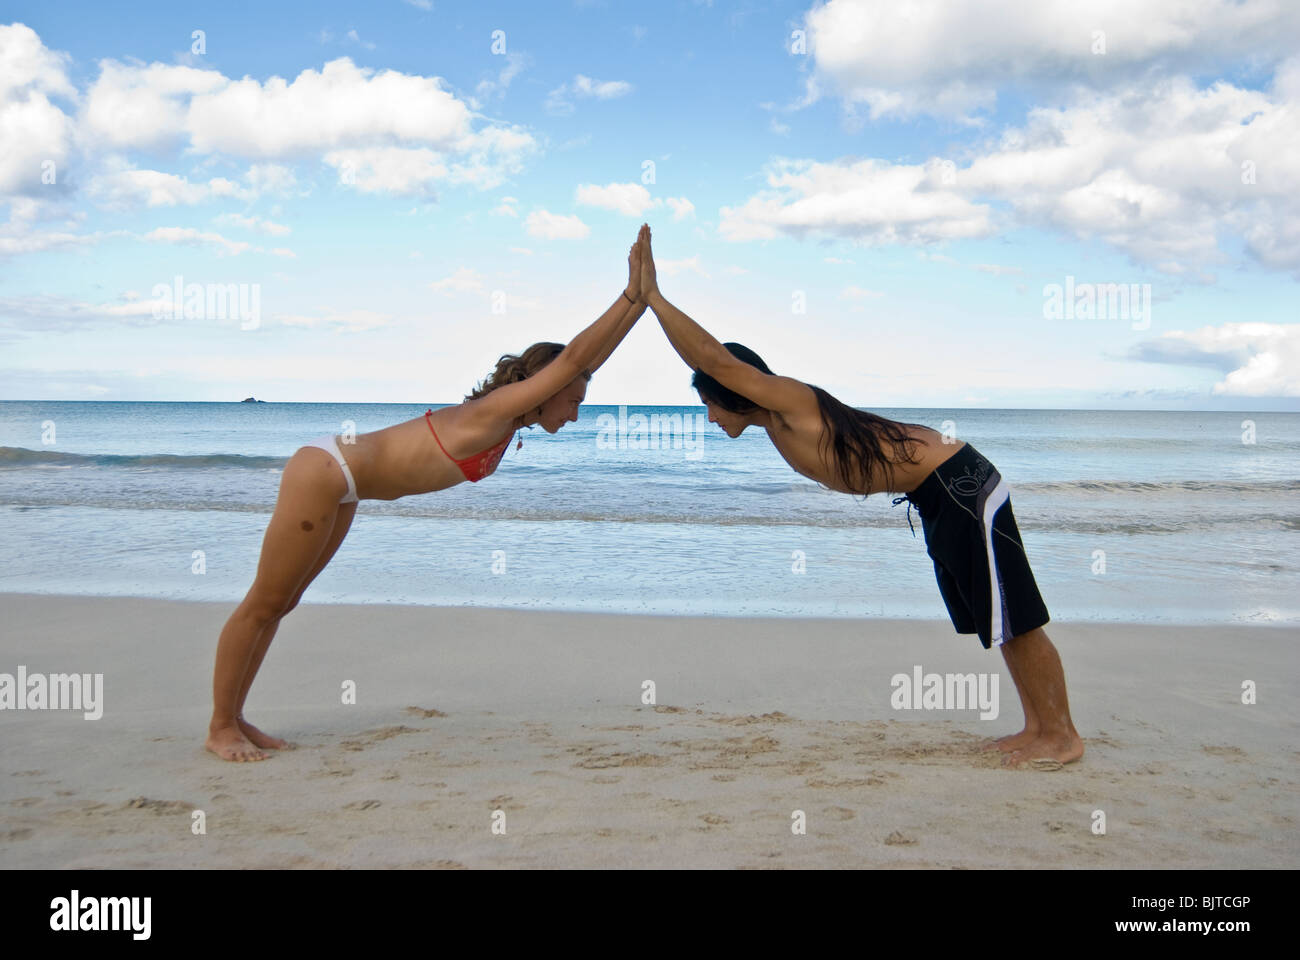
319	490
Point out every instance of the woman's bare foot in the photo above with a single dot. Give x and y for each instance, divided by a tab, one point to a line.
260	739
230	744
1063	748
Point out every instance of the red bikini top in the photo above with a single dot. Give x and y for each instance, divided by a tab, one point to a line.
478	466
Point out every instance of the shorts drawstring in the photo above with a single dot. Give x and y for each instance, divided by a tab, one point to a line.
897	501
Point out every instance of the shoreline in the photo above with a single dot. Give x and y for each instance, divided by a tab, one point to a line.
1118	622
464	711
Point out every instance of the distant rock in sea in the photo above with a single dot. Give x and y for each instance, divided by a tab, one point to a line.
251	400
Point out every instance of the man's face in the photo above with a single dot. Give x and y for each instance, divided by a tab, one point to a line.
732	424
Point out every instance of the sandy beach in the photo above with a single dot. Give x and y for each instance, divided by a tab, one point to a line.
464	712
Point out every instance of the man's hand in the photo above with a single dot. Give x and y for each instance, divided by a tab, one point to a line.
649	278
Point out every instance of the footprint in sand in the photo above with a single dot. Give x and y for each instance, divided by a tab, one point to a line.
426	713
622	760
383	733
1233	752
840	784
775	716
361	805
838	813
334	772
158	806
897	839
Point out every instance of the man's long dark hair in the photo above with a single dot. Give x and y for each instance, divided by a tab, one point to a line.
853	436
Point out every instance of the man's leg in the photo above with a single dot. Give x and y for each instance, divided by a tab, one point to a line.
1040	680
1014	741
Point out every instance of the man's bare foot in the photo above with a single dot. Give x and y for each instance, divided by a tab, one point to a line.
1012	741
1065	748
229	744
260	739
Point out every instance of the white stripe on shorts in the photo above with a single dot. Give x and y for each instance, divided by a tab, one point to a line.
996	498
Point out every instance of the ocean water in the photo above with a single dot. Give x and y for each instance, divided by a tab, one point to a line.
1127	516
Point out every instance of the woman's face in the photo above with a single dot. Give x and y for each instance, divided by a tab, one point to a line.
563	407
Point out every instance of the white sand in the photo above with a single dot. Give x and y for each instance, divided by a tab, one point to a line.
539	715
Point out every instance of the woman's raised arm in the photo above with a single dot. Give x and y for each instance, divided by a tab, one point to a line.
584	355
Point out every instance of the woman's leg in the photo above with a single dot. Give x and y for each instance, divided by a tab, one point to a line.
342	523
301	526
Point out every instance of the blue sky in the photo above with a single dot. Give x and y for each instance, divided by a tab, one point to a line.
413	189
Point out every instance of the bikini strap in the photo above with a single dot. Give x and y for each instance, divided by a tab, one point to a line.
428	418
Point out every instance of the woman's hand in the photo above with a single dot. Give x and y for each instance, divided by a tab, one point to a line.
649	277
634	272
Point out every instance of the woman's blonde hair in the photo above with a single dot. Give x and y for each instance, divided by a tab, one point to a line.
512	368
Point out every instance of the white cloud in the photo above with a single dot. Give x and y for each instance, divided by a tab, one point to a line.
259	224
1158	173
997	269
347	321
44	312
191	237
36	242
142	107
339	108
949	58
464	280
553	226
670	268
587	87
507	207
270	178
356	38
34	132
860	293
393	170
121	187
629	199
872	201
681	207
514	65
559	100
1259	359
524	251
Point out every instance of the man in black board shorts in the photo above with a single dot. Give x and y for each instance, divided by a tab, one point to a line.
970	530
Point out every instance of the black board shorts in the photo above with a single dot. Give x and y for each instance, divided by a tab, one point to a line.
979	560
